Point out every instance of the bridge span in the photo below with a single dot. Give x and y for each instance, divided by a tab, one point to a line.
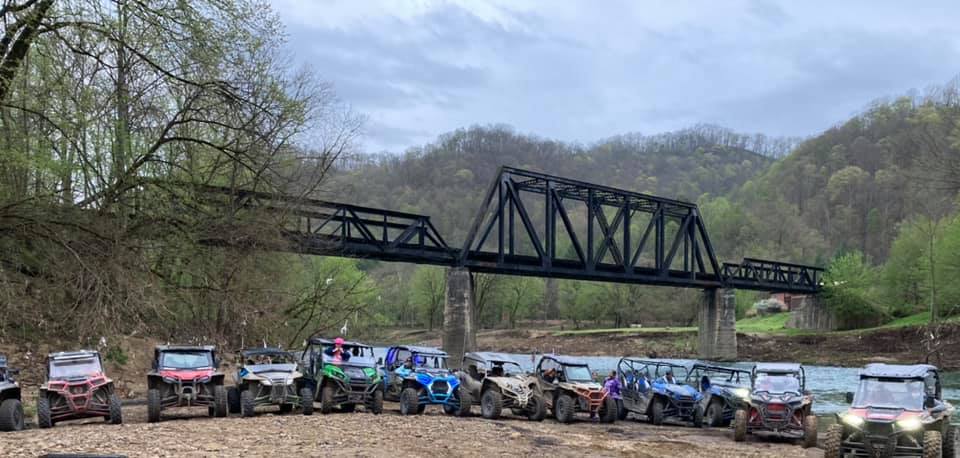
585	232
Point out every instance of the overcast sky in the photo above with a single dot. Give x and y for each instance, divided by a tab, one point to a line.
582	71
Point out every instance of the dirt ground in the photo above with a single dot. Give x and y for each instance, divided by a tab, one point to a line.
363	434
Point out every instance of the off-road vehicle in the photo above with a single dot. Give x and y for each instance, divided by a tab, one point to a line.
418	376
778	403
11	407
568	388
75	388
269	376
185	375
896	411
495	381
346	383
656	391
723	390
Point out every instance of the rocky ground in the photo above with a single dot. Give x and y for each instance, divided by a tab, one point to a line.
363	434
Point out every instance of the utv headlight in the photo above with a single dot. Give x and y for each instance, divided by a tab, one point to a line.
266	382
852	420
910	424
742	393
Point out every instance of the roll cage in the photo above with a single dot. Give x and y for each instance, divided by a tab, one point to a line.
160	350
565	364
92	358
480	365
428	358
248	356
727	376
652	370
779	370
925	373
361	354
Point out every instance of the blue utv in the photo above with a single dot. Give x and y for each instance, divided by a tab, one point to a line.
417	377
655	390
724	390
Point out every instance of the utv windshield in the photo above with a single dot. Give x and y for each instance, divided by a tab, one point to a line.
429	361
270	358
777	383
359	356
71	368
893	394
501	368
578	373
186	360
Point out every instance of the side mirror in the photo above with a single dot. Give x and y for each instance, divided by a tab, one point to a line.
848	396
380	361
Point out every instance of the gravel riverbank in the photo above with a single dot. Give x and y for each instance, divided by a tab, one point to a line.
363	434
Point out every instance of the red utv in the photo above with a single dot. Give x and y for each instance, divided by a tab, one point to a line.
184	376
76	387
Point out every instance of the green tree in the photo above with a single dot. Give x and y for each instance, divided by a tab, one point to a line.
849	291
520	296
427	294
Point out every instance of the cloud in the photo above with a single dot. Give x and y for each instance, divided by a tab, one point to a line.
580	71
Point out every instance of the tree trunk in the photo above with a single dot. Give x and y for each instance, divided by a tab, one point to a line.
551	296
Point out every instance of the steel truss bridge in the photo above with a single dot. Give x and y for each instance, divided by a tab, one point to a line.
586	232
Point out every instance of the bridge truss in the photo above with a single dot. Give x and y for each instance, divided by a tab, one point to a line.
586	232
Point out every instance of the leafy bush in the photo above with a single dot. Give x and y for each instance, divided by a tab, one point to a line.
850	292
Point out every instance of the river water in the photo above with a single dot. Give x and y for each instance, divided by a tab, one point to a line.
828	384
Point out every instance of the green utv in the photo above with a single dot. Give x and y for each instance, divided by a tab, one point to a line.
346	383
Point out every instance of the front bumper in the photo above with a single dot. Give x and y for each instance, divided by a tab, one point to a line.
882	439
78	400
276	394
188	393
354	392
780	418
439	391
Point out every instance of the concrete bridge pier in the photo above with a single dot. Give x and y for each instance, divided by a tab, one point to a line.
459	330
718	325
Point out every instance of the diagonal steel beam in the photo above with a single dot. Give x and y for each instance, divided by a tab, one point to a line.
558	205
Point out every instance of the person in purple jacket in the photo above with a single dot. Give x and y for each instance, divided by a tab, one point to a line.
612	384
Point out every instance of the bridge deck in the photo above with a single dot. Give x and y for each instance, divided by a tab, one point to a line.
610	235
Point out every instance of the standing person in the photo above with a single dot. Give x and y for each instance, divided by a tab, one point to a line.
337	352
612	385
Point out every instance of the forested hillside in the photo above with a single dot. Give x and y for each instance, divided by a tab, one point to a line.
446	179
878	186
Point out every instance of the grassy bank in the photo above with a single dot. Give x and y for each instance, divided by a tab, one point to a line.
770	324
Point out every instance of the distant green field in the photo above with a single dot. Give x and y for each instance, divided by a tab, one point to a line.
769	323
919	319
623	331
772	324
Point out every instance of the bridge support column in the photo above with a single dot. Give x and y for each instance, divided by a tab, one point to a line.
459	332
811	312
718	325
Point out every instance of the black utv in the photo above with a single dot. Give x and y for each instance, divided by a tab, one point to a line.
11	408
897	411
